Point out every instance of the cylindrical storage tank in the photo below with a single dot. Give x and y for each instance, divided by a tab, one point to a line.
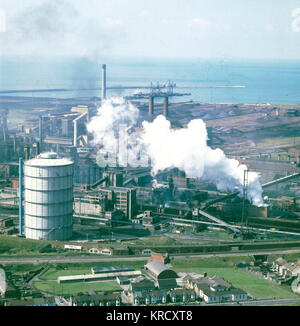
48	197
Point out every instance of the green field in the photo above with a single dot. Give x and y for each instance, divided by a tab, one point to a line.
55	288
253	285
221	266
210	262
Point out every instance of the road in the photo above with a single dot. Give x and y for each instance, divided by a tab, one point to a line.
87	259
271	302
258	302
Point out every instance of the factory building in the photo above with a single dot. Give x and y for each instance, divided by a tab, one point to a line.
48	197
105	201
124	200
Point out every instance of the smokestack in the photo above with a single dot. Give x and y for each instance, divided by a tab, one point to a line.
37	148
27	152
20	197
103	82
75	134
151	105
166	106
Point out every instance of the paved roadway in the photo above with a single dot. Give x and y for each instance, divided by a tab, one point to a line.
86	259
258	302
271	302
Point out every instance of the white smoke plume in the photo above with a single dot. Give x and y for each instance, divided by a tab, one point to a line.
185	149
110	128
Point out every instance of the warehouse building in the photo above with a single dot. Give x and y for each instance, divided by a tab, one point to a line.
158	271
96	277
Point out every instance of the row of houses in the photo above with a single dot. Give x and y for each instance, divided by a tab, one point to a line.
159	284
209	290
155	297
164	285
100	299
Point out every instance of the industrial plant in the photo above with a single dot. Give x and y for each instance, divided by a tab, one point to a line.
110	196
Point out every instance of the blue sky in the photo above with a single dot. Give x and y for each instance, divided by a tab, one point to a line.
228	29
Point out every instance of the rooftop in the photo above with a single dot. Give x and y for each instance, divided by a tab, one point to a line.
100	270
157	267
48	159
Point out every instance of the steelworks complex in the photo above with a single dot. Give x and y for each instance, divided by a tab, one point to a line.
52	188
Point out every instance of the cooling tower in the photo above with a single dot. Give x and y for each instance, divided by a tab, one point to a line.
48	197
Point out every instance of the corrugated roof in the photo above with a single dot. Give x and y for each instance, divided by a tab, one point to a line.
96	277
157	267
99	269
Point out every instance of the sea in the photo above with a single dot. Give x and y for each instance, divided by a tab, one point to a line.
206	80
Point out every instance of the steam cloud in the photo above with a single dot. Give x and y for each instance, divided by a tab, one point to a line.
58	27
185	149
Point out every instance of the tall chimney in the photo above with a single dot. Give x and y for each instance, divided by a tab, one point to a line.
166	106
27	152
75	133
103	82
151	105
37	148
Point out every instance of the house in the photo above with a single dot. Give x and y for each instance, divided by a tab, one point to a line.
215	284
182	295
149	297
238	295
216	290
167	284
140	298
210	296
144	285
158	296
188	279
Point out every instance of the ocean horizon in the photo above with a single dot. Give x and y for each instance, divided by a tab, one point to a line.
262	81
